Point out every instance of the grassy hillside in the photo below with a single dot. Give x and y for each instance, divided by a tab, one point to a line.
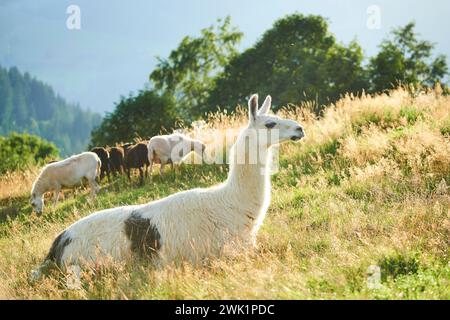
368	186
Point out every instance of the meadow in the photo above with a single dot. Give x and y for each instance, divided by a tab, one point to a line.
369	186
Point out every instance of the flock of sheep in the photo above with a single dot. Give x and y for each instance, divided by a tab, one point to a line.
164	149
191	225
160	149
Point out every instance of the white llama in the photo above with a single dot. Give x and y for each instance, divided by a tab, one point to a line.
190	225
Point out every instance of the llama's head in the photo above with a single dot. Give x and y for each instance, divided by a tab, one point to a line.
37	202
274	129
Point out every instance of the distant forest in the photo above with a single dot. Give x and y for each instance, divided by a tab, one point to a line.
31	106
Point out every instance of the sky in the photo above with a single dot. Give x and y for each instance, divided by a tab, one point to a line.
116	47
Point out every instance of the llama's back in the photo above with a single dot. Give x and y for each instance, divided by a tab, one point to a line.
120	232
173	228
93	238
193	224
188	225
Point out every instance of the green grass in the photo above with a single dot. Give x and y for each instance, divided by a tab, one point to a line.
316	242
332	216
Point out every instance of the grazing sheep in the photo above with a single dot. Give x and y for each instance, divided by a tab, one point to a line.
170	149
65	173
125	148
189	225
103	154
116	162
136	158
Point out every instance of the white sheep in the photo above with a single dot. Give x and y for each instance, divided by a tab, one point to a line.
189	225
65	173
171	149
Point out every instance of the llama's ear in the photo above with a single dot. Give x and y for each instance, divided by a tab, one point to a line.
266	105
253	107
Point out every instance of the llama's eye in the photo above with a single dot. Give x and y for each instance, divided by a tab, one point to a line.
270	125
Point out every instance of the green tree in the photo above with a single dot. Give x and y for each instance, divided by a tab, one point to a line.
188	73
406	59
29	105
139	116
6	106
19	89
297	59
18	151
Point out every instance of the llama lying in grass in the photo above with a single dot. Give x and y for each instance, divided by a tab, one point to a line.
171	149
190	225
65	173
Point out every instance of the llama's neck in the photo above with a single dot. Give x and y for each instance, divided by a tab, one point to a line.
249	179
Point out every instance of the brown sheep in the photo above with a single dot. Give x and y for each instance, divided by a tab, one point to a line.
125	148
103	154
136	157
116	160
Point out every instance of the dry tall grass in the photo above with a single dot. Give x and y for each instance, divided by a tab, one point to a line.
12	184
368	186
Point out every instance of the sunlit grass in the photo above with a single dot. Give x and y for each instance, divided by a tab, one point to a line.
368	186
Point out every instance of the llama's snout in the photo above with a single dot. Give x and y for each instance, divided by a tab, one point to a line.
300	133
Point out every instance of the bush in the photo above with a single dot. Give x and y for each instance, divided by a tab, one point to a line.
18	151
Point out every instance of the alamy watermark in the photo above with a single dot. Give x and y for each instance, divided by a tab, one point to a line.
249	149
73	277
373	277
374	17
73	21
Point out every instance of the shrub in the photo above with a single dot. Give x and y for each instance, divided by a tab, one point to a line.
18	151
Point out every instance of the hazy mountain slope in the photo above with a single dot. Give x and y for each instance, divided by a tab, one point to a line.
29	105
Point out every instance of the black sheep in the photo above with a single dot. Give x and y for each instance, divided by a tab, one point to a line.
136	157
116	160
103	154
